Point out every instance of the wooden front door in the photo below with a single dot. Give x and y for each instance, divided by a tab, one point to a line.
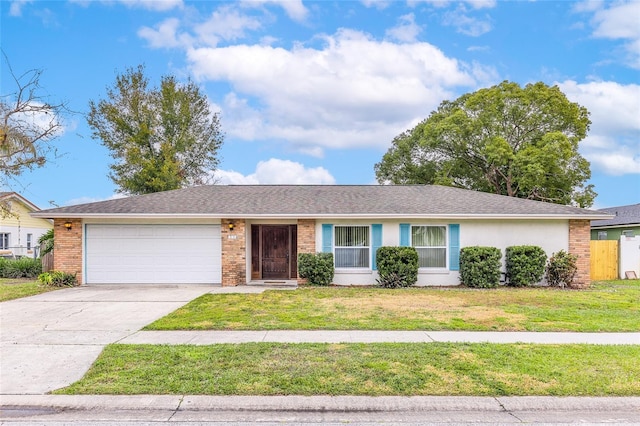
273	252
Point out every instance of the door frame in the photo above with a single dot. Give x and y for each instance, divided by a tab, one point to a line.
256	250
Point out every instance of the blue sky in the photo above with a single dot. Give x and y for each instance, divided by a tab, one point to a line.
314	92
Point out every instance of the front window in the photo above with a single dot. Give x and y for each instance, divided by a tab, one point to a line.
602	235
431	244
29	238
4	241
352	246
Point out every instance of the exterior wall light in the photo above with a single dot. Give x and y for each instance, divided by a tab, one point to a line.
68	225
231	226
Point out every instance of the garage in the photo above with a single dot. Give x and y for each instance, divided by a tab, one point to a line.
152	254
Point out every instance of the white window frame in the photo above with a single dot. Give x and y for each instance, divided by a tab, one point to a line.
602	235
352	268
29	241
445	247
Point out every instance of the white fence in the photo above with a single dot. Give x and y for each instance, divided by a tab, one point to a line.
629	257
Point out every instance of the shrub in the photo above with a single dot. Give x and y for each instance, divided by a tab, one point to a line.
480	266
525	265
397	266
47	240
561	269
57	279
24	267
317	268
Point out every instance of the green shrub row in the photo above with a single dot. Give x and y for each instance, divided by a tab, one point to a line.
525	266
24	267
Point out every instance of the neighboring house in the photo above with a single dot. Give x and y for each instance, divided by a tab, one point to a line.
626	222
242	234
19	232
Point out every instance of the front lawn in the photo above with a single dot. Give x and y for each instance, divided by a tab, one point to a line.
364	369
17	288
612	306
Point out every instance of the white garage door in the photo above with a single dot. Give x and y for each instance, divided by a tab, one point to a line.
153	254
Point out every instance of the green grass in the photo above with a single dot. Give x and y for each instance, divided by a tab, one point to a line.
612	306
15	289
364	369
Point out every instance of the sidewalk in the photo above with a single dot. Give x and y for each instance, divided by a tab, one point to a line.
363	336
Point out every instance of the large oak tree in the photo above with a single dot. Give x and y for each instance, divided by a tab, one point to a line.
506	139
160	138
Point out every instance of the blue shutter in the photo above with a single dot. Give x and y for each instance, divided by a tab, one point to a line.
404	235
327	238
454	247
376	243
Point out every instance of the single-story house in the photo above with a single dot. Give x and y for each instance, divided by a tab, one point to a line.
625	222
235	235
19	232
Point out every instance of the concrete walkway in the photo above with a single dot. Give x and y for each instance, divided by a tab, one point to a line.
364	336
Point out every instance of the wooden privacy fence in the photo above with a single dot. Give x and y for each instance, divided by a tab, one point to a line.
46	260
604	259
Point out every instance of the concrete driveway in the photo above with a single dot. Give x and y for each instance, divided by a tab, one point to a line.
50	340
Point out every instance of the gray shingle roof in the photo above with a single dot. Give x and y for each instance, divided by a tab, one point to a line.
236	201
625	215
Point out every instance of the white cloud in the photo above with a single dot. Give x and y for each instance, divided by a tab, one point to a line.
618	21
352	92
85	200
378	4
226	23
164	35
16	7
613	141
293	8
406	31
466	24
276	171
155	5
476	4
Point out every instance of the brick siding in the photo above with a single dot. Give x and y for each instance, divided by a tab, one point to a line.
234	252
67	250
306	240
580	245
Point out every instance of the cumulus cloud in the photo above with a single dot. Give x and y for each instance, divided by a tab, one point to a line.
278	172
617	21
164	35
612	145
467	24
354	91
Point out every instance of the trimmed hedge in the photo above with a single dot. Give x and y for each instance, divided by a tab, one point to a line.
525	265
317	268
480	266
397	266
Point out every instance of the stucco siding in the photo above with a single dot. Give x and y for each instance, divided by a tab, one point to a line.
550	235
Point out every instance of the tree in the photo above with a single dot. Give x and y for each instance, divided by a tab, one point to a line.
509	140
29	123
161	138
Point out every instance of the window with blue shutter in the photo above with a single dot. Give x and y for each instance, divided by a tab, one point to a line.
454	247
376	243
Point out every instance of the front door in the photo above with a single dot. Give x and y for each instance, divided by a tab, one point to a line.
273	252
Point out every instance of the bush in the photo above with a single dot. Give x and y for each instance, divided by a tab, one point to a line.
397	266
480	266
317	268
525	265
561	269
47	241
57	279
24	267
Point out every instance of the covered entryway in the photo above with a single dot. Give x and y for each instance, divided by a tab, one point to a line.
152	254
274	252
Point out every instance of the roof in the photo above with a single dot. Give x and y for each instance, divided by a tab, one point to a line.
624	215
319	201
6	196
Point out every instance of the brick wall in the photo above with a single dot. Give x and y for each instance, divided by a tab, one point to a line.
579	245
306	239
234	252
67	250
